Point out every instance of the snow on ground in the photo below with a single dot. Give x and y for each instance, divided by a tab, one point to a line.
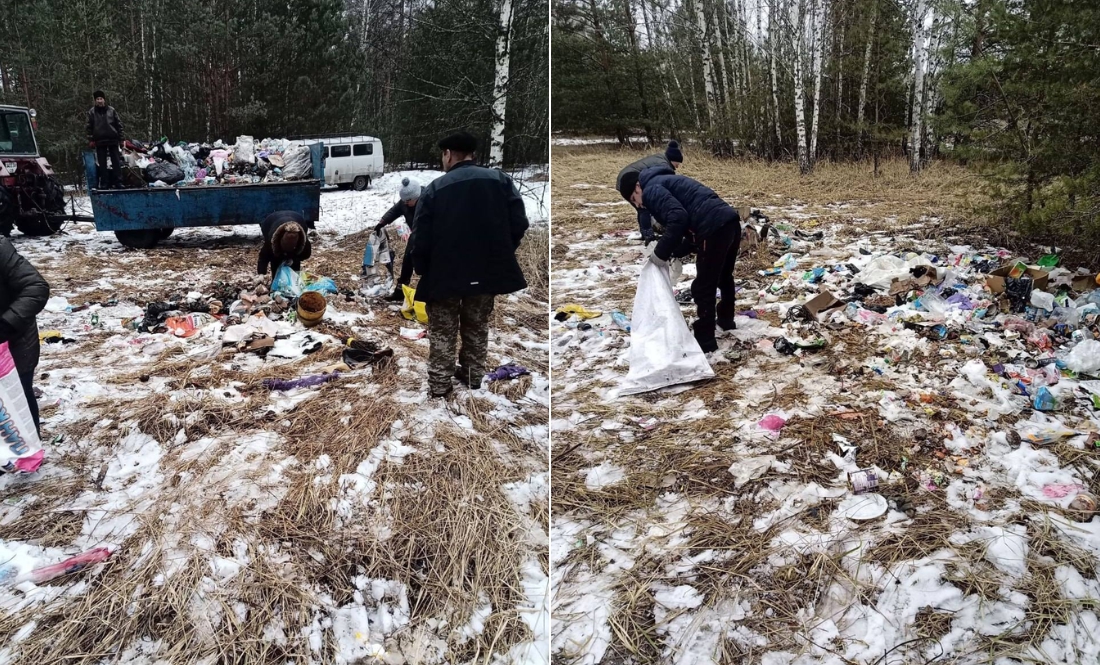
307	526
684	532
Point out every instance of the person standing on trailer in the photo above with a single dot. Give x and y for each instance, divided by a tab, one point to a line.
105	133
405	207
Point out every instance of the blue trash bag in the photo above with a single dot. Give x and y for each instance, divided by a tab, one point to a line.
322	285
287	281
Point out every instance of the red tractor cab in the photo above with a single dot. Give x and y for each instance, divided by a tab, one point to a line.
30	197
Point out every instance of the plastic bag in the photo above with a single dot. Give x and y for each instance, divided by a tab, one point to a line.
377	250
403	230
188	325
21	451
245	150
663	352
413	308
318	284
1085	357
165	172
286	281
298	163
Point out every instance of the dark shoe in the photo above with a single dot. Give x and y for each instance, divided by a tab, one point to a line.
397	296
726	323
707	342
464	378
446	393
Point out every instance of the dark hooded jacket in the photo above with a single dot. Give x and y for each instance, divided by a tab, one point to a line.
469	223
645	222
23	294
689	210
271	255
104	125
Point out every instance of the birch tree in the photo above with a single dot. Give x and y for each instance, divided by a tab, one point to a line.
804	163
866	75
819	14
773	38
708	63
500	85
920	51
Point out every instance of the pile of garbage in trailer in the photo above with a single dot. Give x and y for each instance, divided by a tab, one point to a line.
197	164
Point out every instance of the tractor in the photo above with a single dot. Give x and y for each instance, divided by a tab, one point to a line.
30	197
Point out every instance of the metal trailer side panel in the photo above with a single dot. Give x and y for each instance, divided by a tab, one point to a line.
220	205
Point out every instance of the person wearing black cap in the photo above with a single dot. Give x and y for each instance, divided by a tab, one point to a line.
105	132
468	225
672	158
693	213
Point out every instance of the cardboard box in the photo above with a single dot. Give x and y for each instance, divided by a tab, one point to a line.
822	302
998	279
1083	283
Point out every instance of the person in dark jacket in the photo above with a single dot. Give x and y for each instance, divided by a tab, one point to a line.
285	241
672	158
469	223
692	212
23	294
405	207
105	131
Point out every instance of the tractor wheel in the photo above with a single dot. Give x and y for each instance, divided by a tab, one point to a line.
143	239
163	234
361	183
55	195
38	226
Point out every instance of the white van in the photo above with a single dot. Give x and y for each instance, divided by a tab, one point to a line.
351	161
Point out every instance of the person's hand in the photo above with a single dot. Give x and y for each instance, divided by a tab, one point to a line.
378	227
647	249
648	237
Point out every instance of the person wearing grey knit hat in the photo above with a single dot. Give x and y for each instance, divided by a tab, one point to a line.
408	196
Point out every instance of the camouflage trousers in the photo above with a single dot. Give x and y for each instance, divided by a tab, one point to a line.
467	318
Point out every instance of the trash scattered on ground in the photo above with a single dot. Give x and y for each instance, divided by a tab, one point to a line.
565	311
303	382
505	372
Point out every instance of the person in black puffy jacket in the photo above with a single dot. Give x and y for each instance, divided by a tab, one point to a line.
105	131
23	294
694	214
672	158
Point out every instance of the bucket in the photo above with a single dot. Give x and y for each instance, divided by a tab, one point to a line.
311	308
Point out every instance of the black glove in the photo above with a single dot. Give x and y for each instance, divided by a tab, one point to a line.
378	227
648	236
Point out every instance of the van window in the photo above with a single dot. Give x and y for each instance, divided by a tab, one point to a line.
341	151
361	149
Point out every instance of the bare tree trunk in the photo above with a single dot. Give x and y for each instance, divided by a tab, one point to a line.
919	56
500	85
931	94
804	163
631	28
839	79
708	63
772	38
724	72
866	73
819	52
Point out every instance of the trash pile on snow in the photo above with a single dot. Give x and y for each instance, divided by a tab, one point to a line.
192	164
895	404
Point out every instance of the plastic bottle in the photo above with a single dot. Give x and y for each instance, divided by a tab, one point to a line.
621	320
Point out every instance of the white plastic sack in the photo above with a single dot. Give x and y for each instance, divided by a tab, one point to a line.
883	270
298	163
1085	357
20	449
245	150
663	352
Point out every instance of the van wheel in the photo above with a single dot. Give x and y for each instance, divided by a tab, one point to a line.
361	183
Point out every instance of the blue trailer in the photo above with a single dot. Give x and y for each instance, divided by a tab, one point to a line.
141	218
